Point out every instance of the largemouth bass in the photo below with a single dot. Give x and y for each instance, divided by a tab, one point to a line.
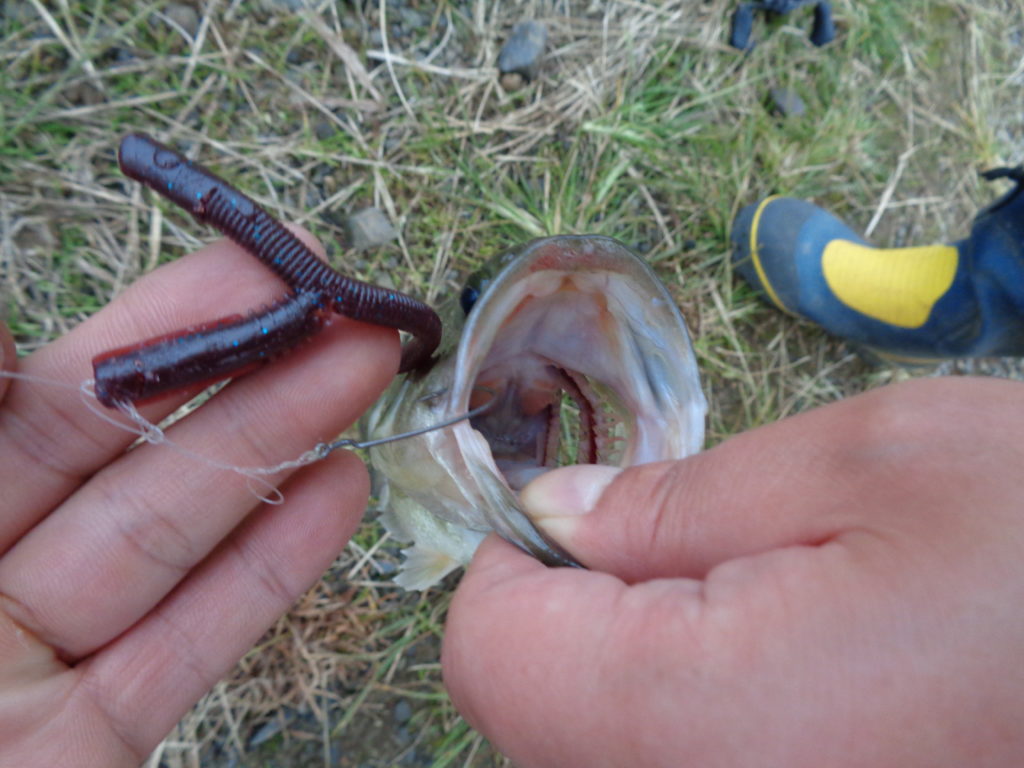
583	357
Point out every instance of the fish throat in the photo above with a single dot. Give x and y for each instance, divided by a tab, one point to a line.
562	422
555	372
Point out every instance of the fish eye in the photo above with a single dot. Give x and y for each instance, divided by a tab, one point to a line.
478	283
468	298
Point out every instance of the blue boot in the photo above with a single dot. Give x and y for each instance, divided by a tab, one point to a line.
742	26
913	305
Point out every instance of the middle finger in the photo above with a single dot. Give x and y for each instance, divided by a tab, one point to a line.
49	440
107	555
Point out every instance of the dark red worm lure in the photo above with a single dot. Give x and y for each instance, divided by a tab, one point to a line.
234	345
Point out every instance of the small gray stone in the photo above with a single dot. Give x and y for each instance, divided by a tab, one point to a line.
369	228
522	51
184	16
787	102
324	129
402	711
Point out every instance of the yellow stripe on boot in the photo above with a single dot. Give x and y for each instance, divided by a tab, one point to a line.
898	286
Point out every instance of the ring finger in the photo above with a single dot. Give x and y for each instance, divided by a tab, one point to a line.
113	549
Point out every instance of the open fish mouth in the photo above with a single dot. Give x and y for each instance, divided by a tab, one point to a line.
583	357
586	359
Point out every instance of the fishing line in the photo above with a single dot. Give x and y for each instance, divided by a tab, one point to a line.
37	379
260	487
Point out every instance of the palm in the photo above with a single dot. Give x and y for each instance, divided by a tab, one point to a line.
131	581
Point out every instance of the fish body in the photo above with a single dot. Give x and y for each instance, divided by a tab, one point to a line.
580	355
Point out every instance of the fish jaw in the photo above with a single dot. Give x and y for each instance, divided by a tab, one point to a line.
577	314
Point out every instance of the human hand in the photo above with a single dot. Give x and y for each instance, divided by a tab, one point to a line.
842	588
131	582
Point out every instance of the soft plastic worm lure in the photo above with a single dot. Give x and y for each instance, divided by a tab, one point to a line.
233	345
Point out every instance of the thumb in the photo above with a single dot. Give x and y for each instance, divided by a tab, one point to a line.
673	518
852	465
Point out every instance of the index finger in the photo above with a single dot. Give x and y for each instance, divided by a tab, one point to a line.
49	439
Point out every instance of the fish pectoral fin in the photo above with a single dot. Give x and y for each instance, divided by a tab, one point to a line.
424	567
438	546
396	520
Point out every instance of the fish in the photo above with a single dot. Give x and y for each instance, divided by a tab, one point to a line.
576	353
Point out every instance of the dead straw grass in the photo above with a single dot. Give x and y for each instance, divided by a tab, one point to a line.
643	125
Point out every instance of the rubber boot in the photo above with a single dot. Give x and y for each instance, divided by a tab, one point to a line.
912	305
742	27
824	31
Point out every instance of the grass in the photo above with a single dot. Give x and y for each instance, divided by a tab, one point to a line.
643	125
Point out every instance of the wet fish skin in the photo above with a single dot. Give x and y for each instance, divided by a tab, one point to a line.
582	305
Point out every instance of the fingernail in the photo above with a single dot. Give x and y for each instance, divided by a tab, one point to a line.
557	499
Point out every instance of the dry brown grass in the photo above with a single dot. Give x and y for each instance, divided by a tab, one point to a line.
643	125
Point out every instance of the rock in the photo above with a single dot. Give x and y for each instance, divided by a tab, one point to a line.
84	94
402	711
369	228
512	81
184	16
324	129
787	102
519	58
